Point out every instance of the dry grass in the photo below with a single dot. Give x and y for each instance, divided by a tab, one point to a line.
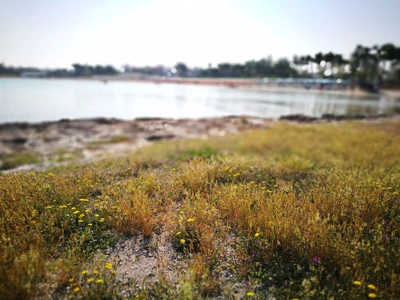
292	211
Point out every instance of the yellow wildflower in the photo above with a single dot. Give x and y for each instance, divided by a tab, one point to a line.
108	266
50	206
86	210
84	272
182	241
190	220
95	272
113	272
81	216
90	280
357	282
76	289
101	220
178	233
257	234
84	200
71	280
99	280
96	215
76	212
74	208
371	286
80	221
372	295
250	294
90	224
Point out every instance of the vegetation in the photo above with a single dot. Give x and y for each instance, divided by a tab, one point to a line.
373	65
13	160
295	211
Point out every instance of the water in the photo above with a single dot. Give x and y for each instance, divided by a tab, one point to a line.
35	100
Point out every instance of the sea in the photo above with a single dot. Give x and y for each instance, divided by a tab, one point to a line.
38	100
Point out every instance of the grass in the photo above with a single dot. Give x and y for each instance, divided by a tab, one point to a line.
113	140
295	211
62	155
13	160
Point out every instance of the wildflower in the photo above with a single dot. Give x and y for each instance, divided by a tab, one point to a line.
80	221
76	289
357	282
190	220
250	294
90	224
371	286
71	280
372	295
96	215
67	215
99	280
108	266
84	272
95	272
178	233
50	206
81	216
86	210
181	212
113	272
182	241
74	208
316	259
236	175
101	220
76	212
90	280
257	234
84	200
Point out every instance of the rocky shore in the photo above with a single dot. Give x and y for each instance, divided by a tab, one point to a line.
26	146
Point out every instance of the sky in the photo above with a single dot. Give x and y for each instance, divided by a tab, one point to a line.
56	34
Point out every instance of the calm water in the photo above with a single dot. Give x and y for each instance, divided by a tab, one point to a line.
35	100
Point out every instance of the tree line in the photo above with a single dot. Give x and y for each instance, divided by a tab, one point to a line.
374	64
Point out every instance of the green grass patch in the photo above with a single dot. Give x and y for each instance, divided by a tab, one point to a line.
13	160
113	140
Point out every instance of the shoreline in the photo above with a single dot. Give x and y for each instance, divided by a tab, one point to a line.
38	146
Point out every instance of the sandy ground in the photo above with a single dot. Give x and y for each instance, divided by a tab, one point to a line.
91	139
86	140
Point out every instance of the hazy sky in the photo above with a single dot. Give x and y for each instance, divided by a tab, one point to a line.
50	33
